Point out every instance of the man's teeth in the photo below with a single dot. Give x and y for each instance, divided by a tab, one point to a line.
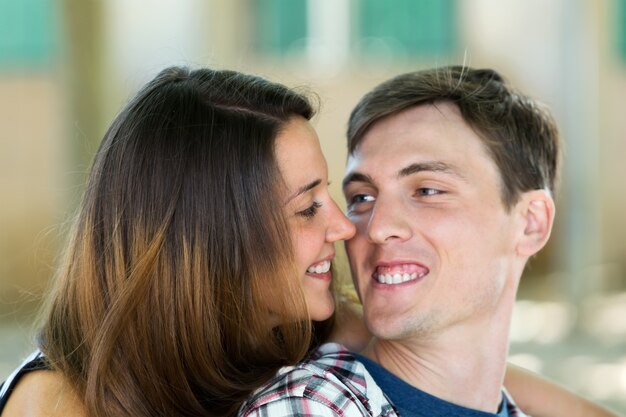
320	268
398	278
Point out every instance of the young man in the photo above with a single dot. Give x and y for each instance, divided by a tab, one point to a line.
450	183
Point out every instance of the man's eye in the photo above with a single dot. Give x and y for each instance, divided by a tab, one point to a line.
428	191
362	198
311	211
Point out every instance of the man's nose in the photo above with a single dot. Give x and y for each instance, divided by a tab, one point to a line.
388	221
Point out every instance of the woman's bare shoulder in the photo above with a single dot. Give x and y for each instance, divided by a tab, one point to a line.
43	394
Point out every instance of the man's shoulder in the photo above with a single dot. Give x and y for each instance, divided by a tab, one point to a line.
330	382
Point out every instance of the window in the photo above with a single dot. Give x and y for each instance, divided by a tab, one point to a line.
27	33
403	28
281	25
407	27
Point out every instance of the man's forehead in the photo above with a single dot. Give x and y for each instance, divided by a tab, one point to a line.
426	138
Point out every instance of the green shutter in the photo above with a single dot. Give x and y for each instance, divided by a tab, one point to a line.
413	27
281	25
28	33
620	31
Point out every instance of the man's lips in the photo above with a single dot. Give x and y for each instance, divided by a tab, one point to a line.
399	272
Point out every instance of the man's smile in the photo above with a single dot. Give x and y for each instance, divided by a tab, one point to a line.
399	273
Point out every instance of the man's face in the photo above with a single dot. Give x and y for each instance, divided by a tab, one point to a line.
434	245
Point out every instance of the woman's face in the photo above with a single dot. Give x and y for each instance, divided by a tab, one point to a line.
315	221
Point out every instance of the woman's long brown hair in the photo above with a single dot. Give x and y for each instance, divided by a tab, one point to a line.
180	249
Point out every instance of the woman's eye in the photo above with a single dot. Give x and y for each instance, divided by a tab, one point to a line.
311	211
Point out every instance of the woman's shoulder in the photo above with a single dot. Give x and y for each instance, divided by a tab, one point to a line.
331	381
33	390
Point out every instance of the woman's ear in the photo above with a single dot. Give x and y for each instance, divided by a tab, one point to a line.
537	209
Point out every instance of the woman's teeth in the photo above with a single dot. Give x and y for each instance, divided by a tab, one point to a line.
320	268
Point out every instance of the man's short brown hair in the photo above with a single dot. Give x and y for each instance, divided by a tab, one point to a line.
519	133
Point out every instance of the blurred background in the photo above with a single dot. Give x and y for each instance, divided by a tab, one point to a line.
67	67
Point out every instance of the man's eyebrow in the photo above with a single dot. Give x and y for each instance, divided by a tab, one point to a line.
304	189
435	166
356	177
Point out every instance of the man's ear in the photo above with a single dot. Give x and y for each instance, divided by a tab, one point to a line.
537	209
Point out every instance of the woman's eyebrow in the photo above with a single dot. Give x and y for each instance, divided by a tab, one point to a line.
304	189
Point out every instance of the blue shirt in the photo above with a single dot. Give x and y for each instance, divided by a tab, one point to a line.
412	402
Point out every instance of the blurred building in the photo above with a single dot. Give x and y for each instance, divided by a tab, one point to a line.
66	67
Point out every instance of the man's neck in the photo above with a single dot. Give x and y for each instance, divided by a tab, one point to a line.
464	365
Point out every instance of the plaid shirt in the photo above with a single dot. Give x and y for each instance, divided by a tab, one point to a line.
331	382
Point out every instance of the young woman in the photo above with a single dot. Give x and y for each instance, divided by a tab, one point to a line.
205	225
199	262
